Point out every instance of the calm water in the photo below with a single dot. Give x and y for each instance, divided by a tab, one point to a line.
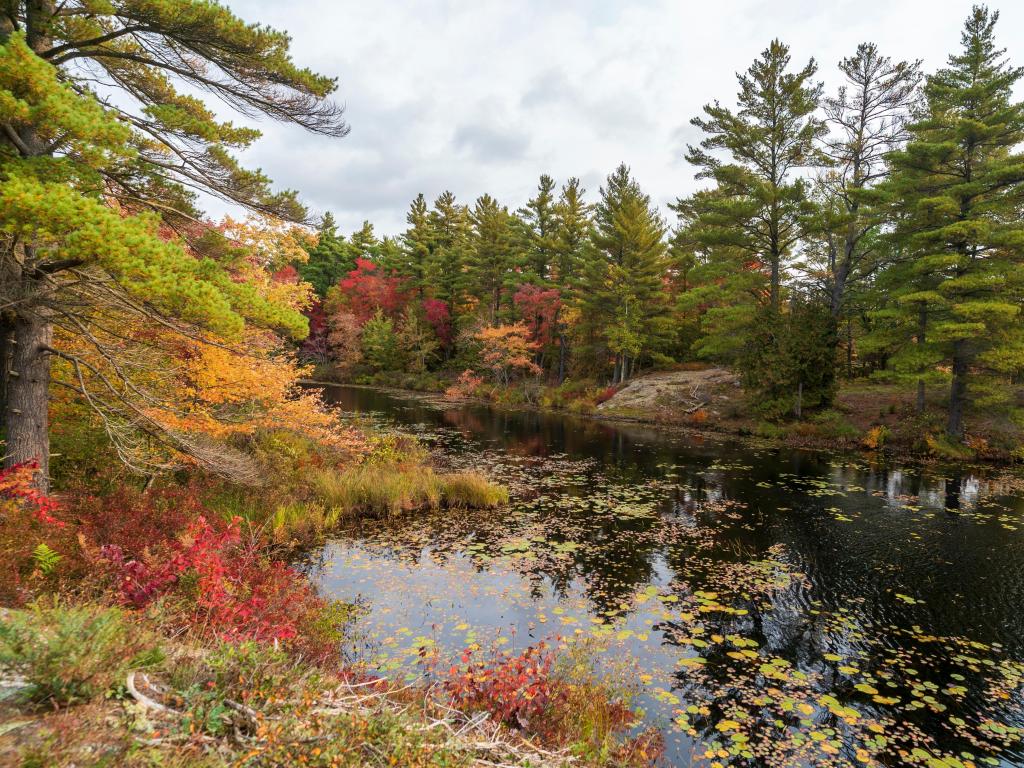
773	607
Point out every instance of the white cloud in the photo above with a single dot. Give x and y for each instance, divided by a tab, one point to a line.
484	96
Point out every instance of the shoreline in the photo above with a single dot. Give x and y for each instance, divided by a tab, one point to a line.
742	435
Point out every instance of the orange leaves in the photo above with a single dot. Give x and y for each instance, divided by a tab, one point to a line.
507	351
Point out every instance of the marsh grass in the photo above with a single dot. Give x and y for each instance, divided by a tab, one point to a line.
471	490
391	489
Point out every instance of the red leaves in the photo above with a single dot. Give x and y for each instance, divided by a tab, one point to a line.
234	590
439	315
16	484
517	690
366	289
539	309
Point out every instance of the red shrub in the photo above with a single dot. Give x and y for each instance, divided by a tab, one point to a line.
133	521
27	520
607	394
514	689
16	488
227	586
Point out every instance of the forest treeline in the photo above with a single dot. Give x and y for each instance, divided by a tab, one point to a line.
873	231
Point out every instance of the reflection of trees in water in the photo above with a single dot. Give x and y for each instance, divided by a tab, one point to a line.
773	706
696	529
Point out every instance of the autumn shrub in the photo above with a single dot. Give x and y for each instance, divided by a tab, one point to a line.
71	654
556	697
394	448
134	521
606	394
216	580
37	545
876	437
699	417
517	690
471	490
566	393
467	385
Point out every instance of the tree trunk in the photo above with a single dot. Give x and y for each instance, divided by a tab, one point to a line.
922	328
6	348
958	392
775	278
849	348
799	410
561	357
28	389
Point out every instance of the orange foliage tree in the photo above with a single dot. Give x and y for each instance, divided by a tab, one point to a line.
507	352
171	393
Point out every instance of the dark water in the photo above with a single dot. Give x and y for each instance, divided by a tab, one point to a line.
771	607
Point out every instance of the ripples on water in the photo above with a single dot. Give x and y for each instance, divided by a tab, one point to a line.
775	607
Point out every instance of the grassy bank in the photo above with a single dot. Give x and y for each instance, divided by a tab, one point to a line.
159	624
91	686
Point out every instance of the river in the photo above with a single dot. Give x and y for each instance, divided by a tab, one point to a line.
772	606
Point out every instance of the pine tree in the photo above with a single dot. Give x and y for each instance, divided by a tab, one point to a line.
541	230
623	294
445	271
363	244
958	189
329	260
88	177
418	243
491	268
867	118
572	237
726	288
572	234
760	207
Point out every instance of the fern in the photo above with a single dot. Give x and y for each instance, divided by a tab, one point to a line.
46	559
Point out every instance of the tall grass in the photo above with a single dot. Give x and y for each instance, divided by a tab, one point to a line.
471	490
389	489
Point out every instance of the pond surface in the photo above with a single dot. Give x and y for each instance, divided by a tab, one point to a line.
772	607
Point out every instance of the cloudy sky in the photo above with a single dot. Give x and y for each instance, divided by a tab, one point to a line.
483	96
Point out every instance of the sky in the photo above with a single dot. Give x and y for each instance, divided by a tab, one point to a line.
478	96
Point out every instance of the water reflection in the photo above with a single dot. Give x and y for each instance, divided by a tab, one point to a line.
832	609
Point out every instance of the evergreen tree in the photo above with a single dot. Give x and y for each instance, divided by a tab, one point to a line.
363	244
623	289
493	261
541	229
760	207
572	237
329	260
88	177
418	242
445	271
380	343
867	119
726	289
958	188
